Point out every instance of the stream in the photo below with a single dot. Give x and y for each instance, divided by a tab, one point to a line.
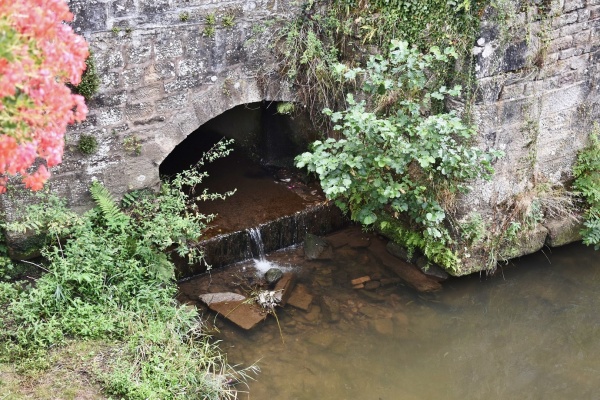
528	332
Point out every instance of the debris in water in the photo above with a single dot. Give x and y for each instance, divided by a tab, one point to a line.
360	280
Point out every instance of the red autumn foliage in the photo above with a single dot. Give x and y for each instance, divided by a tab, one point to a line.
39	55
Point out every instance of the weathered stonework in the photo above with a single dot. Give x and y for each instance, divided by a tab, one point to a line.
163	75
537	98
161	78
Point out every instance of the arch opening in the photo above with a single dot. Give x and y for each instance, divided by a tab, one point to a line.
260	167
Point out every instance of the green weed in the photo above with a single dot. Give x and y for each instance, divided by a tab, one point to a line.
108	275
87	144
90	81
587	186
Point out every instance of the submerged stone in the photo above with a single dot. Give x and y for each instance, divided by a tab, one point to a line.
300	298
273	275
383	326
236	308
354	237
407	272
372	285
431	269
316	248
330	308
398	251
285	286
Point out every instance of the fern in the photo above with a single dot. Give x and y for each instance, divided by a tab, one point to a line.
587	186
114	217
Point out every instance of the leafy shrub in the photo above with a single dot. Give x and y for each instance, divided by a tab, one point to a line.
395	154
90	81
285	108
327	32
587	186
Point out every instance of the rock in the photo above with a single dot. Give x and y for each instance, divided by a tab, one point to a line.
527	242
300	298
431	269
285	286
316	248
273	275
372	285
389	281
323	281
24	245
313	315
373	296
360	280
235	308
359	286
409	273
322	338
563	231
400	318
322	276
210	298
358	239
330	308
398	251
383	326
369	311
353	237
338	239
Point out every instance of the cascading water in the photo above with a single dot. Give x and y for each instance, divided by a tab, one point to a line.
261	263
280	233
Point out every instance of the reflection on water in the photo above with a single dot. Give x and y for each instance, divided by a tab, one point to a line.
530	332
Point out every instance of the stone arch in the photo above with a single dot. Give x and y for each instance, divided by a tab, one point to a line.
204	105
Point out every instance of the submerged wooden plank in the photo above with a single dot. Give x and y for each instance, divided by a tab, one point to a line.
407	272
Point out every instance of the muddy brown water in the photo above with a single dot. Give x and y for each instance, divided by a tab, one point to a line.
529	332
259	196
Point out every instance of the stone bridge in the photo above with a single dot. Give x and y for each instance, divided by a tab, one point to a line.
169	66
166	67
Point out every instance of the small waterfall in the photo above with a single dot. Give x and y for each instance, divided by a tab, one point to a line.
286	231
256	239
261	264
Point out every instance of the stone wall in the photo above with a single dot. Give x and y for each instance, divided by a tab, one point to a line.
169	66
166	67
537	99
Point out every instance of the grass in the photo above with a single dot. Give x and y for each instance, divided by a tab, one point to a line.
69	374
108	278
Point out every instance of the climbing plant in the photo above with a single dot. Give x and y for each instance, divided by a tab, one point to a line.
345	30
90	81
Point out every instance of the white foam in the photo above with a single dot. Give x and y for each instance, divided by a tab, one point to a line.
262	266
